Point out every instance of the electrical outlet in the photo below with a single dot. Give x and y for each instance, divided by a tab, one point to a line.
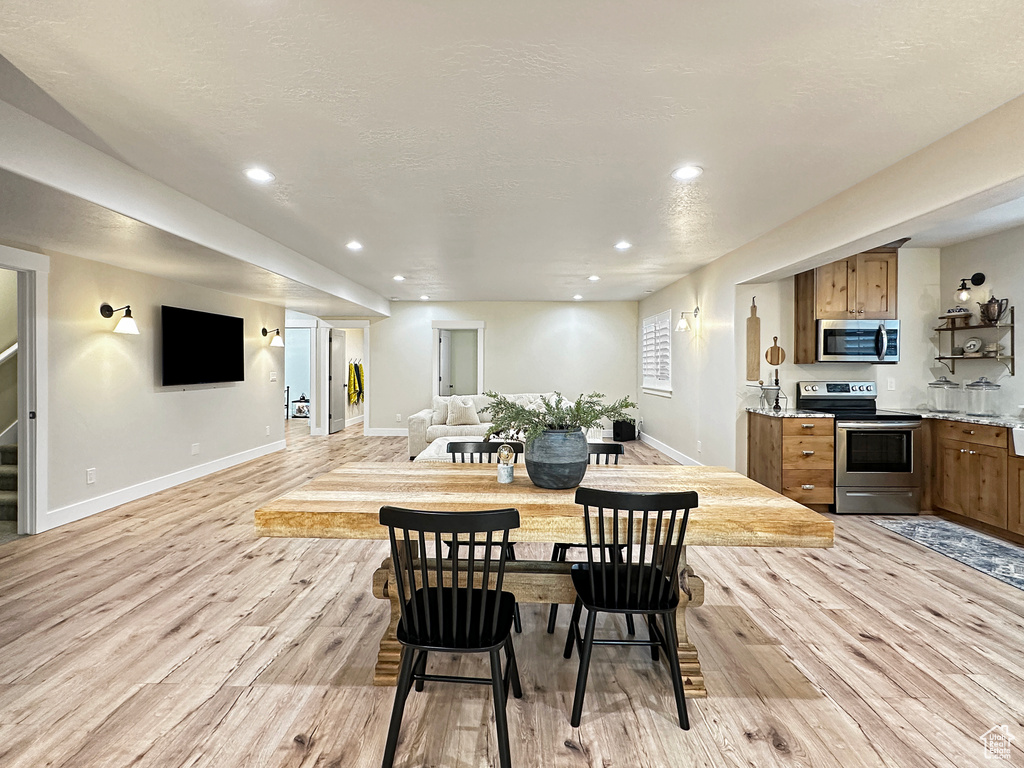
90	476
398	418
195	449
891	384
273	375
700	447
268	429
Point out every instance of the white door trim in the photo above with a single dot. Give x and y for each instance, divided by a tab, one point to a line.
33	391
364	326
457	325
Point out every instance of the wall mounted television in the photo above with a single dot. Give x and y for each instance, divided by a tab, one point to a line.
200	347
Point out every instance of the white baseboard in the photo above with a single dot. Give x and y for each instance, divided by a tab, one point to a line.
82	509
672	453
378	432
353	421
9	435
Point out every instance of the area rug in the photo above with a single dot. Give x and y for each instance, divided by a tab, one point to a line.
995	557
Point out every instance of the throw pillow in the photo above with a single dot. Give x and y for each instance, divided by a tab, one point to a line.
440	405
461	412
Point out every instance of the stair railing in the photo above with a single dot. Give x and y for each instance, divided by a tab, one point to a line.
8	353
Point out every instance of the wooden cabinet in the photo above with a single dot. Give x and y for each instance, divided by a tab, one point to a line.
793	456
970	471
861	287
1015	495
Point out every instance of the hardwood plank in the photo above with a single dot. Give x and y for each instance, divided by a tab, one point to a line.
163	633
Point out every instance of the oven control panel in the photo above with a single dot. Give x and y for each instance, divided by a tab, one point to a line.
811	389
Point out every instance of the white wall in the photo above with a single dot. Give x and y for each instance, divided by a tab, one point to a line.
108	410
1001	258
571	347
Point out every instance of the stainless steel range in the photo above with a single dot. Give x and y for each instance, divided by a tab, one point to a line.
878	453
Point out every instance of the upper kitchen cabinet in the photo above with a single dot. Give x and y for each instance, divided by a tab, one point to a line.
861	287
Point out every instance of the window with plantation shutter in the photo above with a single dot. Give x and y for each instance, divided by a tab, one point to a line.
656	352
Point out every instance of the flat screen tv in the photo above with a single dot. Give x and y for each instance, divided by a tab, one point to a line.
201	347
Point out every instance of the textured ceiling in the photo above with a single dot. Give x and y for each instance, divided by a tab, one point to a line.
39	218
498	151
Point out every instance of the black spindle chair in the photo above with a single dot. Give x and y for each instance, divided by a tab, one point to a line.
597	452
486	452
482	452
452	606
644	580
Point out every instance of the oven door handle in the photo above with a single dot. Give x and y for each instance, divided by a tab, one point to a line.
878	425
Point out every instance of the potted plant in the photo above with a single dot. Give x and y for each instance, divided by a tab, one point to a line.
554	430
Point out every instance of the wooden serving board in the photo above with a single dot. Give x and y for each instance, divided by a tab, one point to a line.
753	344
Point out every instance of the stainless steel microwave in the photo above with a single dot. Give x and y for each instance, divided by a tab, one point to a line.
858	341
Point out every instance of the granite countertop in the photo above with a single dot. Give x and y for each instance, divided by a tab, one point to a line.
1010	422
790	414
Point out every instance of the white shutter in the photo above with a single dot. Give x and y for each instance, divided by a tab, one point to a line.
656	351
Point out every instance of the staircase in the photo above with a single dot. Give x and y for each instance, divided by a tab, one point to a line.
8	482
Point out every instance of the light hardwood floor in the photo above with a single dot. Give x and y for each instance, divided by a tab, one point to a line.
162	633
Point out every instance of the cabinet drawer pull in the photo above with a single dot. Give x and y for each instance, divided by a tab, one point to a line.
808	453
807	487
968	431
972	453
860	311
807	426
963	450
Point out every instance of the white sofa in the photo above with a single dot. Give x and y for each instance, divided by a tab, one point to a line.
428	424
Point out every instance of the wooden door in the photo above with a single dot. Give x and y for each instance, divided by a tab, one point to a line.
875	295
444	363
834	285
1015	495
950	475
986	484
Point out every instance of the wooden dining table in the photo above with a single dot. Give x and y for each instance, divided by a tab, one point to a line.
732	511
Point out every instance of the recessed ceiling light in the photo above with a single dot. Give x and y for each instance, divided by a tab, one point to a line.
594	278
687	172
354	245
577	297
424	297
623	245
398	278
260	175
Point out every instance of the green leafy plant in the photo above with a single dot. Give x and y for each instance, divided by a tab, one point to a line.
514	421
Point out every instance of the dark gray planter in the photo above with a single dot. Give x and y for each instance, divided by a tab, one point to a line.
557	459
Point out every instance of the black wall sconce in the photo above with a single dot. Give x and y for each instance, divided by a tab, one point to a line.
277	341
126	324
963	293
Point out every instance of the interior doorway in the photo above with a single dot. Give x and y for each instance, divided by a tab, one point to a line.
8	404
298	375
458	358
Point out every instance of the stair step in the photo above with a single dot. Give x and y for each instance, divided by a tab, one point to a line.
8	454
8	477
8	505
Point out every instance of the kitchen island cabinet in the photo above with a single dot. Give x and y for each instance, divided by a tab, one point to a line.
793	455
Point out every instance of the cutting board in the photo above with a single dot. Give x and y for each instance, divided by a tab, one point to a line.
753	343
